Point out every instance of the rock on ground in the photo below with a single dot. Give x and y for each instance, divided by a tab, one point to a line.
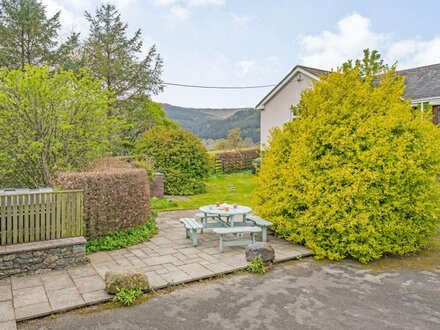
262	249
127	280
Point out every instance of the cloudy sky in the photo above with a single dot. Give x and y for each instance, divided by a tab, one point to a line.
256	42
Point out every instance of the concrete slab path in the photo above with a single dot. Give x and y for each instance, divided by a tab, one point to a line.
167	259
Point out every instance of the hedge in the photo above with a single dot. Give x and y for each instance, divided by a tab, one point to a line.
237	160
179	155
114	200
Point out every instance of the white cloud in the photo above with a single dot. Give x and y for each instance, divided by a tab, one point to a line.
199	3
165	2
181	9
331	49
242	68
414	52
179	12
240	20
354	34
253	68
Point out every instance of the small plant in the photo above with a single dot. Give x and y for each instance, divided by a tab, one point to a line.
257	266
127	296
123	239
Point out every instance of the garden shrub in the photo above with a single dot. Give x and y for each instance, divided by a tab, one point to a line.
357	173
114	199
179	155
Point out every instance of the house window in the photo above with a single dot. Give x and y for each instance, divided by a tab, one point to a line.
293	116
436	114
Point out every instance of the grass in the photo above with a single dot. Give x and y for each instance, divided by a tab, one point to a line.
123	239
236	188
162	203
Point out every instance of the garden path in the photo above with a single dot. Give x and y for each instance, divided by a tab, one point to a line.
167	259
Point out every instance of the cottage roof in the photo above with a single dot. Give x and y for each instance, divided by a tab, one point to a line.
422	83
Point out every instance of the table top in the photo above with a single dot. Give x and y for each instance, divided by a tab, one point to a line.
212	209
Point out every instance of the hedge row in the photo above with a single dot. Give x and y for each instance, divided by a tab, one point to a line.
237	160
114	199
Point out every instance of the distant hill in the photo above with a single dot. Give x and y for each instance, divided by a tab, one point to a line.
215	123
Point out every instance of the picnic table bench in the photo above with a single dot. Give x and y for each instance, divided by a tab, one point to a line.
191	226
236	231
263	224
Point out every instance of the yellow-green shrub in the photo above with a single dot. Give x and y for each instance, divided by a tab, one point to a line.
357	173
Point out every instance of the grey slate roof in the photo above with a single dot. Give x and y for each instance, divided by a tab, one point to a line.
316	72
422	82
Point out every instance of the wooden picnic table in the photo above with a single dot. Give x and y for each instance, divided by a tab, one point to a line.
220	213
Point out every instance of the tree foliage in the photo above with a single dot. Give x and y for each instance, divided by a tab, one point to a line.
28	36
179	155
50	122
357	173
208	125
234	141
144	116
117	59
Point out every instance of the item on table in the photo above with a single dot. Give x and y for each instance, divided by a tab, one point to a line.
234	206
226	208
217	204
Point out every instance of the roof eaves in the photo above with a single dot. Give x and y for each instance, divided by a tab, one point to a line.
298	68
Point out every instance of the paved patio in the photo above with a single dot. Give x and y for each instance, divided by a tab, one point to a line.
167	259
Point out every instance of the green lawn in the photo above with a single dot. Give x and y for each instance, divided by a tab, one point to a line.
233	188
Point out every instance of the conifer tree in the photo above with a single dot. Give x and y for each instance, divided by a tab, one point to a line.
117	59
27	35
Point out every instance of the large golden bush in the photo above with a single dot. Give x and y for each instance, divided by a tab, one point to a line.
357	173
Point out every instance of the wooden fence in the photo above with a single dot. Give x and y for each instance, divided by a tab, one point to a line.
41	216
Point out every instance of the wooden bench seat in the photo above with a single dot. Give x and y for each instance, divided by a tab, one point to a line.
191	226
236	230
263	224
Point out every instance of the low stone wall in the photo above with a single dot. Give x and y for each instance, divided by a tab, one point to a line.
30	258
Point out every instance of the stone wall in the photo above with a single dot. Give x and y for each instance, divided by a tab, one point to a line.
30	258
157	186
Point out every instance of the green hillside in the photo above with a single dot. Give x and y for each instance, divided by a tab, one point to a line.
215	123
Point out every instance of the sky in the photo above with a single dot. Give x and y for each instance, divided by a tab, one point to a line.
257	42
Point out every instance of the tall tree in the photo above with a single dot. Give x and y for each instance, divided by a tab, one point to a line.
117	59
49	122
27	35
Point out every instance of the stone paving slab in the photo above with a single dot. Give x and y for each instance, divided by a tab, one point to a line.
167	259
